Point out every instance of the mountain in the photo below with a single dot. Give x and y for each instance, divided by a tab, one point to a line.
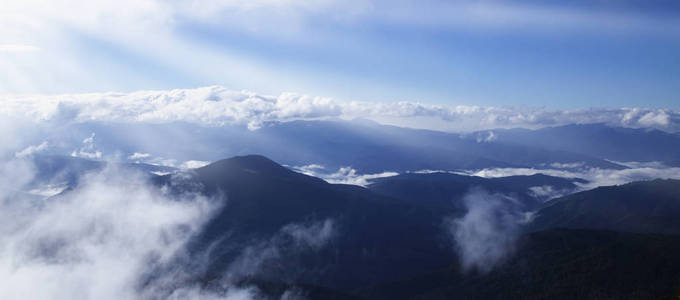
60	169
673	163
645	206
262	199
365	146
371	147
279	229
444	189
596	140
559	264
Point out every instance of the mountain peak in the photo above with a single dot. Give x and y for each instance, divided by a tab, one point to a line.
258	165
254	163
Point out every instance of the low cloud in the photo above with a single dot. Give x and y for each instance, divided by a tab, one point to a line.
292	238
138	155
344	175
315	235
93	242
193	164
88	149
486	234
547	192
30	150
215	106
595	176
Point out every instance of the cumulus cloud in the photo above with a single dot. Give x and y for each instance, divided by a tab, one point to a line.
486	234
215	106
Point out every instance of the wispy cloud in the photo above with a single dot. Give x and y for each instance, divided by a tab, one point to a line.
127	45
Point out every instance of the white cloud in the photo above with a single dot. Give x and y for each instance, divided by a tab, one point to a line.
547	192
344	175
95	242
315	235
193	164
490	137
18	48
87	150
30	150
595	176
486	234
214	106
138	155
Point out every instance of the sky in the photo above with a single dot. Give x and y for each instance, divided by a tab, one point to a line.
546	54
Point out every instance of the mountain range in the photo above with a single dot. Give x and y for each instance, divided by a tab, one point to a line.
279	229
370	147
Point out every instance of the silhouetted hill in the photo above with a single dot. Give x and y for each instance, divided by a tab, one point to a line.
645	206
382	247
261	197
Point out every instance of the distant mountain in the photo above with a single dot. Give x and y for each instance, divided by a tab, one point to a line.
559	264
61	169
672	163
596	140
366	146
445	189
370	147
646	206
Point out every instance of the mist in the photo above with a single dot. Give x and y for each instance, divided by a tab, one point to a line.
91	242
485	235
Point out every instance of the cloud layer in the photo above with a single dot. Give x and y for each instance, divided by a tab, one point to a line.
595	176
215	106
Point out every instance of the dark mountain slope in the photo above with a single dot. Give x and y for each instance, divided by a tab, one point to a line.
390	248
377	238
646	206
560	264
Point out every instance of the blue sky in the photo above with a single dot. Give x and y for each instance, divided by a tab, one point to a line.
492	53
